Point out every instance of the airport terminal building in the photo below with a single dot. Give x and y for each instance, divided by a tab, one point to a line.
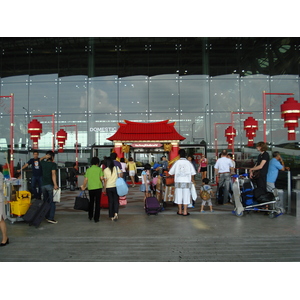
201	85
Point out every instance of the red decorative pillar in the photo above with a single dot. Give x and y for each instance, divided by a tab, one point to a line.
174	151
118	150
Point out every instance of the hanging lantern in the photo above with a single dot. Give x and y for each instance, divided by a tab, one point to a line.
290	112
61	137
230	134
251	126
35	129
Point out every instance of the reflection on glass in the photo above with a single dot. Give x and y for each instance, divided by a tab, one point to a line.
133	95
43	98
72	96
103	96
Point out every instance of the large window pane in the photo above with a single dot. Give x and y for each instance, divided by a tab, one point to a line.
252	88
133	94
225	93
194	93
72	95
43	98
163	95
100	127
103	95
20	91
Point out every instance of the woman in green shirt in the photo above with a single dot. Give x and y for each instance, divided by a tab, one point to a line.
93	177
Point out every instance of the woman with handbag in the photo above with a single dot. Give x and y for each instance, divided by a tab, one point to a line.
93	177
110	177
5	240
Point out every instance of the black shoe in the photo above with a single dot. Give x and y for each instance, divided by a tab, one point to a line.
96	221
4	244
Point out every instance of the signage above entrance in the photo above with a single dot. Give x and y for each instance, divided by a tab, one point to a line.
146	145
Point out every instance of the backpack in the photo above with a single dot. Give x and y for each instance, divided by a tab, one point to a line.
204	195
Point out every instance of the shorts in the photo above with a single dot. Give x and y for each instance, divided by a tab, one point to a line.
182	196
143	187
131	173
203	169
208	202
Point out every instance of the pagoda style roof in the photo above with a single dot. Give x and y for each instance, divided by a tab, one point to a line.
155	131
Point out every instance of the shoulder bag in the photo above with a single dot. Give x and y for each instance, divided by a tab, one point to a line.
122	188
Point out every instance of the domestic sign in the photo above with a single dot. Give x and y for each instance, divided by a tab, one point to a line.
146	145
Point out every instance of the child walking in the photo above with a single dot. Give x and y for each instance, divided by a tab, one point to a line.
205	194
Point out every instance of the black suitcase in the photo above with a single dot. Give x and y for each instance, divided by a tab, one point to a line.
33	210
37	212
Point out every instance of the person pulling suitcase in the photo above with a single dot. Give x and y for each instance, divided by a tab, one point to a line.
49	182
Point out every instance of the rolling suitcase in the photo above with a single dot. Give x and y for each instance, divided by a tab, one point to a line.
152	206
41	214
33	210
104	200
37	212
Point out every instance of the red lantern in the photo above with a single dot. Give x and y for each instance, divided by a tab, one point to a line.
250	125
230	134
61	137
35	129
290	112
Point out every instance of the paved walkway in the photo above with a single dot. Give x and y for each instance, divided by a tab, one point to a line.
167	237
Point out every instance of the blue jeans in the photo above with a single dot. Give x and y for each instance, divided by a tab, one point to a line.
47	191
36	180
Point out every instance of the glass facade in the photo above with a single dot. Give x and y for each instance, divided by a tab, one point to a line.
96	83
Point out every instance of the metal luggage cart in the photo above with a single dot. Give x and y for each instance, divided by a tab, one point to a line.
271	207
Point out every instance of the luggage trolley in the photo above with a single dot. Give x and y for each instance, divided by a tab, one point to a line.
16	207
272	207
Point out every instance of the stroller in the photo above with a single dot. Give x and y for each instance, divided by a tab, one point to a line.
244	201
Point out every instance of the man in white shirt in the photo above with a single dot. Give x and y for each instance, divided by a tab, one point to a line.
184	173
223	168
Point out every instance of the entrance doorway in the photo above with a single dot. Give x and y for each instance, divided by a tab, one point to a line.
147	156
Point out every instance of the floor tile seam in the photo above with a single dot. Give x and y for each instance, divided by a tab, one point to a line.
175	238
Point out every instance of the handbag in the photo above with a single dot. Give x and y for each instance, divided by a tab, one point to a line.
122	200
136	178
82	202
168	179
193	192
56	195
121	185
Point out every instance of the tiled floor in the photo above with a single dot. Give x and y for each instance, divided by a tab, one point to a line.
167	237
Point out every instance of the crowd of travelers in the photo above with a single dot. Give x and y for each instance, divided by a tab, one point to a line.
101	177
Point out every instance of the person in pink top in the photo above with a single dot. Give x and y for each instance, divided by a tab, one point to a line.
203	166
